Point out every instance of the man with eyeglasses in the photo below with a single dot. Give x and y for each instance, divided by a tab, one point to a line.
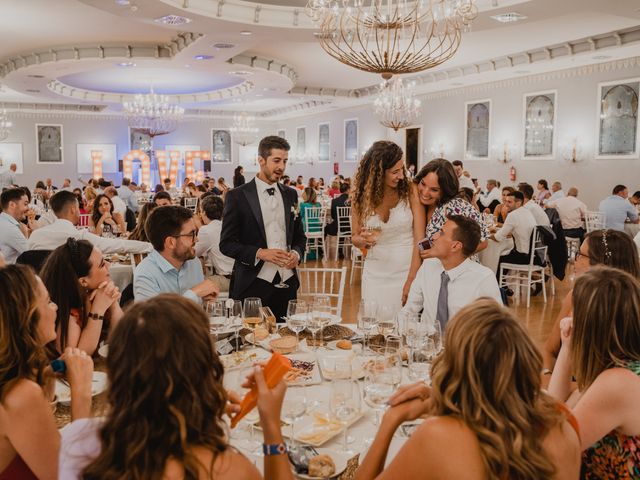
172	266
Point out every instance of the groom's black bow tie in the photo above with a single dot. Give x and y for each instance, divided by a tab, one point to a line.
271	191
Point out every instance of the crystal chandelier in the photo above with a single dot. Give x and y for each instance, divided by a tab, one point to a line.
388	37
243	131
153	114
395	106
5	125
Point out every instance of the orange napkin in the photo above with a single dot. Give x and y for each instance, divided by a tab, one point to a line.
274	371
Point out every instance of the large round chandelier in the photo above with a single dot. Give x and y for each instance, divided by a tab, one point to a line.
153	114
5	125
388	37
395	106
243	131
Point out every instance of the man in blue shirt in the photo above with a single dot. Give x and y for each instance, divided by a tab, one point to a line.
617	209
127	195
172	266
13	234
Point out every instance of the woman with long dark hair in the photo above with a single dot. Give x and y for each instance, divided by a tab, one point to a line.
104	220
77	278
388	222
166	405
238	177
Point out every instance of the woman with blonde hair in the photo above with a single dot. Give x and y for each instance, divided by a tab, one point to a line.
385	204
167	403
90	196
487	402
601	348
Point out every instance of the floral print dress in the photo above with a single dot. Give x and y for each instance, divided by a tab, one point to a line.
456	206
614	456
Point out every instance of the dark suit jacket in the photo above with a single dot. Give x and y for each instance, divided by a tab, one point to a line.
243	232
341	201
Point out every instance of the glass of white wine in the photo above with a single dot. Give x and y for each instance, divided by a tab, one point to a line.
252	317
297	316
322	311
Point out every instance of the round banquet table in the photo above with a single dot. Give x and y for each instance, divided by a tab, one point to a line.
632	229
490	256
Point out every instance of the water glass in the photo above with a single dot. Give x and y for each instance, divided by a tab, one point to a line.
321	310
234	313
294	407
344	405
367	313
379	384
297	316
420	361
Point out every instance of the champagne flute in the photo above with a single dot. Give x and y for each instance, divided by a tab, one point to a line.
297	314
281	270
294	406
314	325
344	405
252	317
322	310
367	312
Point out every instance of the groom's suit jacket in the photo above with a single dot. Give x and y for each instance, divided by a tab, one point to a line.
243	232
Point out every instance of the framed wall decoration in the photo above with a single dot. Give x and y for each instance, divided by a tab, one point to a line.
324	142
282	134
109	157
351	140
49	144
539	125
139	140
301	144
220	146
618	119
477	129
11	153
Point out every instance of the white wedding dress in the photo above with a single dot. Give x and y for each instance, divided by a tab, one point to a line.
387	263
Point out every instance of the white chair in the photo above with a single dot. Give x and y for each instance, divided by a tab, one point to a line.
191	203
518	275
323	281
595	221
136	258
357	262
314	222
344	229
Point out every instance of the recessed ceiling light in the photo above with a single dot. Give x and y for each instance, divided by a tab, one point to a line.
509	17
35	76
31	90
173	20
126	64
246	33
602	57
221	46
123	3
203	57
242	73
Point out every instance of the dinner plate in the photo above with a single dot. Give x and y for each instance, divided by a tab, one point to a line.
340	459
98	385
318	429
244	358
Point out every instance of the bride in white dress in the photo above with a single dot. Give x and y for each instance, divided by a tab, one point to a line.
388	221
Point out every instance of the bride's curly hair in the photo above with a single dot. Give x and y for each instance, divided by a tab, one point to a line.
488	376
165	395
368	185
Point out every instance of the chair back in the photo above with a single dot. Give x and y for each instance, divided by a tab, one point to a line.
344	221
595	221
34	258
136	258
314	219
191	203
84	220
538	249
323	281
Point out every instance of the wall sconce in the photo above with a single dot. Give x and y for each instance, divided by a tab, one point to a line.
572	153
504	154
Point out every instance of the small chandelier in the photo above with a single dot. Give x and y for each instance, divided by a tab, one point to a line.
243	131
5	125
153	114
395	106
388	37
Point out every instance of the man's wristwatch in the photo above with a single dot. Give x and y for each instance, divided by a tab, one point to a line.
275	449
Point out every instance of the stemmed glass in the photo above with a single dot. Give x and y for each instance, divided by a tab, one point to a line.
322	311
250	444
367	312
252	317
344	405
234	313
420	360
294	407
297	314
373	229
379	384
435	333
386	320
314	325
217	313
281	271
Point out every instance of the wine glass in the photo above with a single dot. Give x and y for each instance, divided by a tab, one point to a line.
435	333
344	405
234	313
322	311
374	228
251	444
217	313
294	406
420	360
297	314
252	317
367	312
314	325
281	270
379	384
386	320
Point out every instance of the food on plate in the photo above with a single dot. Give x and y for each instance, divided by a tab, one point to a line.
237	358
344	344
321	466
300	370
260	334
283	345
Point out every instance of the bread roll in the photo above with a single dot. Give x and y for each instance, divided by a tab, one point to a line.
344	344
321	466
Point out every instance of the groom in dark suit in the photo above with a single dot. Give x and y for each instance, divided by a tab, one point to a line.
262	231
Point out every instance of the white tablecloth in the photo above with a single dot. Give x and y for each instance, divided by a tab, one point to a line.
121	274
632	229
490	256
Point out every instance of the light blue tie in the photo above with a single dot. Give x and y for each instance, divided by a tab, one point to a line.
442	313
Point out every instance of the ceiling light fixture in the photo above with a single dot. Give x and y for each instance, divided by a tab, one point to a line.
153	114
509	17
173	20
244	132
395	106
391	38
203	57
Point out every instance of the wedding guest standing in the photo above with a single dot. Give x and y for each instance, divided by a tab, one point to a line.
238	176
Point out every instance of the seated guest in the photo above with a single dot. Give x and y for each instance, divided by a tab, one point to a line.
601	247
556	193
464	180
172	266
67	211
158	188
118	204
30	439
127	193
485	400
536	210
490	199
501	212
618	209
340	201
448	280
77	277
520	225
213	188
571	212
310	200
162	199
208	244
13	233
222	186
166	405
105	221
543	192
138	233
166	183
90	195
334	190
601	348
8	178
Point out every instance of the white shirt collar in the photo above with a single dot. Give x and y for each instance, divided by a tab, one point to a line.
457	271
262	186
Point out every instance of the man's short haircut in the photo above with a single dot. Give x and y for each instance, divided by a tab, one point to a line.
166	180
126	182
527	190
11	195
111	191
558	184
636	194
62	200
618	188
344	188
458	163
492	182
162	194
517	195
272	142
467	232
164	222
212	206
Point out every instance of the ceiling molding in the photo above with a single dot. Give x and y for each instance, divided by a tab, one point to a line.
263	63
82	52
16	108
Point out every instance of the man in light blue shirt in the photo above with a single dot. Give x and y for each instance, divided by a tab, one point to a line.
617	209
13	240
172	267
8	178
127	195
